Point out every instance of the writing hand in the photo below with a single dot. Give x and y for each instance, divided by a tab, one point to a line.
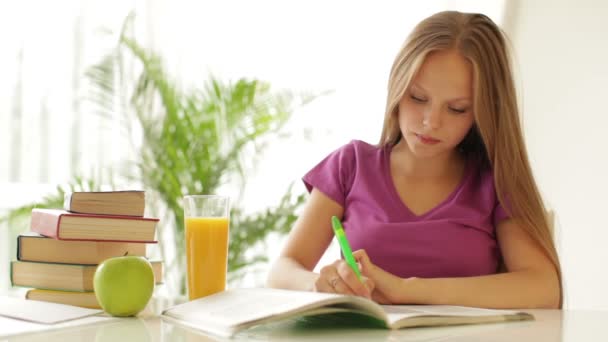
387	286
339	277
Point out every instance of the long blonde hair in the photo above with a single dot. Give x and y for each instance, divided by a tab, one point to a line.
496	137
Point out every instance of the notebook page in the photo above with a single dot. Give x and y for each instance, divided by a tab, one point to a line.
13	327
41	312
397	312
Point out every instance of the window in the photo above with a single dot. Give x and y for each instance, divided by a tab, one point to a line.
47	133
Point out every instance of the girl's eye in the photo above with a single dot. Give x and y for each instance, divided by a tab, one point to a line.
456	110
418	99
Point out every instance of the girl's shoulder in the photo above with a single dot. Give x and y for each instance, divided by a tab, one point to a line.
362	148
357	154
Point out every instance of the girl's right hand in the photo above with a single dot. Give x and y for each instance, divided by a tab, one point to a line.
338	277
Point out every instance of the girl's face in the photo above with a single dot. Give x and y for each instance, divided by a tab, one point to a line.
435	113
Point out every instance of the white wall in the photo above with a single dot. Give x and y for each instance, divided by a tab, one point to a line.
562	59
13	195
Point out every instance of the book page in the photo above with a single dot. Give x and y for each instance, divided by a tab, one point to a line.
41	312
240	308
397	313
233	307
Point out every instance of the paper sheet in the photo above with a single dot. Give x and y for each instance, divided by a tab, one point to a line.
41	312
13	327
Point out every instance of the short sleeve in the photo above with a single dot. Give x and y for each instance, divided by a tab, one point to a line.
334	175
500	214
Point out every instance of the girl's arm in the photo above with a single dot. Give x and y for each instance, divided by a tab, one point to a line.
531	279
307	241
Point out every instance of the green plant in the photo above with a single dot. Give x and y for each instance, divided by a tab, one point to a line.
194	141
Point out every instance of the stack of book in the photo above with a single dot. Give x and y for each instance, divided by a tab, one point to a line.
60	254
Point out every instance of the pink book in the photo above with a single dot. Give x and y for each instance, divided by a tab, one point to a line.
64	225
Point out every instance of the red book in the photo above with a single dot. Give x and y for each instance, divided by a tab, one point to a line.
64	225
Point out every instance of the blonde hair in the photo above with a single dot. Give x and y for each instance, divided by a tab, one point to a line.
496	138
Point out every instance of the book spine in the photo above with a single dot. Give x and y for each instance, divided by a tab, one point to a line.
45	223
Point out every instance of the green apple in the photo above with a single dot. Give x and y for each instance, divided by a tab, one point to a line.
123	285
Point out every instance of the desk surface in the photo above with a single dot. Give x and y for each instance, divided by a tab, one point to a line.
550	325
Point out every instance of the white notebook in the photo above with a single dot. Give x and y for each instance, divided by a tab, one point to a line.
13	327
20	316
41	312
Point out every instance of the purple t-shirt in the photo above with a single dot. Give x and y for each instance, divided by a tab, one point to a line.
457	238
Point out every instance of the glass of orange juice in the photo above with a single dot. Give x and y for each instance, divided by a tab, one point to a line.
207	218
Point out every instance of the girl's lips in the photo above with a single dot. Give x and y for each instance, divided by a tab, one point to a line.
425	139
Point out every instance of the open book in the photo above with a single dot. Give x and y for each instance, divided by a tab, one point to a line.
228	312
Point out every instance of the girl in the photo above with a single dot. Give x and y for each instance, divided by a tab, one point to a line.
444	210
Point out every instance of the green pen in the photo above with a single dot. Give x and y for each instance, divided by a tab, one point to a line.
344	246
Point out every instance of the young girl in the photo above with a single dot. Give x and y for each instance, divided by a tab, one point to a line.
444	210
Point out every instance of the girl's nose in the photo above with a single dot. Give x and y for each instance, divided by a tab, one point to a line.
432	118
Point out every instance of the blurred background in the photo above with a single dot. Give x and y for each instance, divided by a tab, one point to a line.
69	104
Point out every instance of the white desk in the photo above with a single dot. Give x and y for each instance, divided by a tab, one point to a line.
550	325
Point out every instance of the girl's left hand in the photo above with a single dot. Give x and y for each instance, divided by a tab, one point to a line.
387	286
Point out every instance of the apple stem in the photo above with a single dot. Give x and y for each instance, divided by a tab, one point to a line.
127	252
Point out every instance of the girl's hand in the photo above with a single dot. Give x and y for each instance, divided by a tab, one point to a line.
388	288
338	277
380	298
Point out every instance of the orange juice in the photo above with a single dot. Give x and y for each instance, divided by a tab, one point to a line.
206	254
